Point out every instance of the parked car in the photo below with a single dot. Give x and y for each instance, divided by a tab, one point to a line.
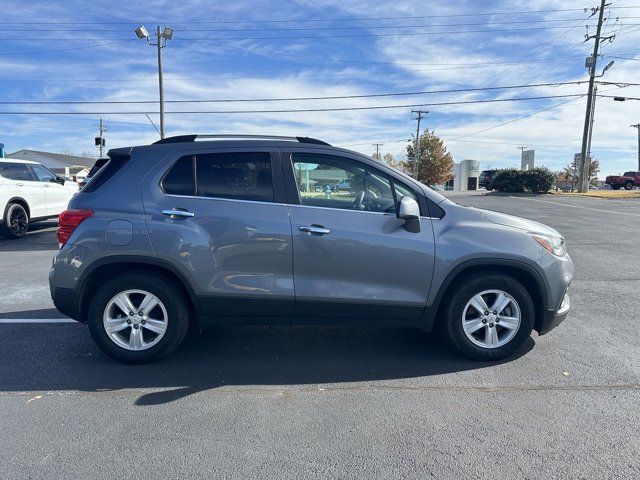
628	180
29	192
342	185
160	238
101	162
484	181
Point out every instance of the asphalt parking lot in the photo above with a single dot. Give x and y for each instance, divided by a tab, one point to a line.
302	402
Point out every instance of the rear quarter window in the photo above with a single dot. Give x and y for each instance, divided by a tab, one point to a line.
16	171
115	163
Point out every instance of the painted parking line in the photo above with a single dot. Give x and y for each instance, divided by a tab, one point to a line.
577	206
36	320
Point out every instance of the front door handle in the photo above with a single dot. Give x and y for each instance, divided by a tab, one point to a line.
177	213
318	229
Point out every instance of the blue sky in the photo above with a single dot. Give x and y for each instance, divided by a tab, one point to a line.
87	51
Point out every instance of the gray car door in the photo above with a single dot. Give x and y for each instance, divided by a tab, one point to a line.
219	216
353	258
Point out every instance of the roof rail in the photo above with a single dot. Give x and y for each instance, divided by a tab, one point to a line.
222	136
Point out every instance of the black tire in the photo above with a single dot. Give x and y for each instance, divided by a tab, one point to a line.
628	186
15	222
615	187
166	291
463	291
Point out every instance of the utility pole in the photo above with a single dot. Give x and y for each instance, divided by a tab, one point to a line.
637	127
99	140
161	42
377	145
583	184
420	114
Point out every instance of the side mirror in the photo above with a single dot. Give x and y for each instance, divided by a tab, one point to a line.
59	180
409	211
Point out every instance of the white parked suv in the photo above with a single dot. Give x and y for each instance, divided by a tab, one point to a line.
29	192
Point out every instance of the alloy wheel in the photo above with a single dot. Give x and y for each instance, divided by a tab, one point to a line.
135	320
491	318
18	221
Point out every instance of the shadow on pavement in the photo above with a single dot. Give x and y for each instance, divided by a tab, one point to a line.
41	313
40	236
63	357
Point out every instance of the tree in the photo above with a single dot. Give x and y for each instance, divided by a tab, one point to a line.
435	165
569	176
393	163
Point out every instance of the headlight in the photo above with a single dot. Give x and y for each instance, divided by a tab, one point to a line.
551	243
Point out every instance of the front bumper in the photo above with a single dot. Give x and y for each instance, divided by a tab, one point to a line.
552	318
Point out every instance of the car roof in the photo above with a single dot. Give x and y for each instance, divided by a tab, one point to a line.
18	160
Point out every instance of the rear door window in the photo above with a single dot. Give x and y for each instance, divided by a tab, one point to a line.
233	175
16	171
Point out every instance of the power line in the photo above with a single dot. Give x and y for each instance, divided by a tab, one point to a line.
288	29
311	37
67	49
299	20
287	99
517	119
206	112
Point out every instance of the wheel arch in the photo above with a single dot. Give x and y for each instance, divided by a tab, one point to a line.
524	273
110	266
20	201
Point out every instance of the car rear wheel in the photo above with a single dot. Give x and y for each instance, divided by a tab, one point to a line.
138	318
16	221
615	187
489	316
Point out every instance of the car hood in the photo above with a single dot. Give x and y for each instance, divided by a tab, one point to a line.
517	222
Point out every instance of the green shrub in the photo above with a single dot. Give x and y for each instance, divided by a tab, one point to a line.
508	180
538	180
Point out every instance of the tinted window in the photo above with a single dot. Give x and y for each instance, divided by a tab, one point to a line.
337	182
239	176
16	171
101	162
42	174
115	163
179	180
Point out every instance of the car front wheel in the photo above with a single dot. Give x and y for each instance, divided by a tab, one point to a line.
138	318
16	221
489	317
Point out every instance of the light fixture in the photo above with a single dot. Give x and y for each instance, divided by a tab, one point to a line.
167	33
142	32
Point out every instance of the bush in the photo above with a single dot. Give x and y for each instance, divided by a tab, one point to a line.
508	180
538	180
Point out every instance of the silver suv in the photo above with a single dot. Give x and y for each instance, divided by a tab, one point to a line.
199	230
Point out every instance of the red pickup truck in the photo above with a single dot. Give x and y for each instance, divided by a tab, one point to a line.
628	180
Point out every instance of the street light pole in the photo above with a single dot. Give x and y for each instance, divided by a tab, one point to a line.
161	42
160	86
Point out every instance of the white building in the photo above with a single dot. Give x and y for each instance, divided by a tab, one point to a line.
465	176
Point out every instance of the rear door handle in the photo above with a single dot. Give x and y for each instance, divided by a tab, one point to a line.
176	213
19	184
318	229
